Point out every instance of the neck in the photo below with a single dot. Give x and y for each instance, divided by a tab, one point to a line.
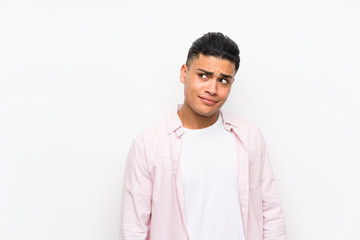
193	120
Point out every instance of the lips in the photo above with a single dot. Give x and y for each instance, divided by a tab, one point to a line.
208	101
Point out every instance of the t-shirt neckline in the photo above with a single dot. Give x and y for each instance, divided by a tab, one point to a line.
206	129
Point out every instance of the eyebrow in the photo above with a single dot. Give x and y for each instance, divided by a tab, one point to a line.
211	73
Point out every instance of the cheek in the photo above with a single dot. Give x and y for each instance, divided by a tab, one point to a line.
192	87
188	92
224	93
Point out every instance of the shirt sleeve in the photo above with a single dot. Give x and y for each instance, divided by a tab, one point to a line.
136	195
273	217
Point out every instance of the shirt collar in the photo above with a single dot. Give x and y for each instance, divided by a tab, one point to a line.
175	124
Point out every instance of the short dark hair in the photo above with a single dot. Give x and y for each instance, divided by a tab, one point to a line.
215	44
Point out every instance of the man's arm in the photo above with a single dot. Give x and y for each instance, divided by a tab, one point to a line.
137	195
273	217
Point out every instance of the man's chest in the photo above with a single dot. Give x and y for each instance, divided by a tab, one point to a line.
208	160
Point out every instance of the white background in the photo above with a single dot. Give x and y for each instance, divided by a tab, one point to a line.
80	79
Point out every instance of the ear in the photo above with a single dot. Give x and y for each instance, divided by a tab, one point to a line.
183	72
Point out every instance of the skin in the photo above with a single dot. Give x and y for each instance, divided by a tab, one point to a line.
213	81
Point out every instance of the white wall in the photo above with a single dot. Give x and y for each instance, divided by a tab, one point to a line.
80	79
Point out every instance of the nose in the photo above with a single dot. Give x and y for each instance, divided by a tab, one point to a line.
211	87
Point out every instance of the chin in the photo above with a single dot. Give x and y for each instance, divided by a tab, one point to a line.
207	113
204	111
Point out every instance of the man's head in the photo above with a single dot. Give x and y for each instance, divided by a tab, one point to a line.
214	44
208	74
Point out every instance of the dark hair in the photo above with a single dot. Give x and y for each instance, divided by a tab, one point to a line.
215	44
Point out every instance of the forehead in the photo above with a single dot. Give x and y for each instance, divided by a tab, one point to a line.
213	64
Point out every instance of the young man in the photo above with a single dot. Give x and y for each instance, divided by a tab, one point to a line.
202	173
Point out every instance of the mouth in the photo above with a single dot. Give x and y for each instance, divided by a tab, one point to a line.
208	101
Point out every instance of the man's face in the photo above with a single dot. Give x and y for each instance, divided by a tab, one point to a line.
208	82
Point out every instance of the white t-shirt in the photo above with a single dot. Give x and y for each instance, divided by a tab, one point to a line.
209	173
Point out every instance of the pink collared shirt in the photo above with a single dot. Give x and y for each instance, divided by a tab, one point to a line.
153	195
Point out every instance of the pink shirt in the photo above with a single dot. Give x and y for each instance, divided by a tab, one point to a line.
153	195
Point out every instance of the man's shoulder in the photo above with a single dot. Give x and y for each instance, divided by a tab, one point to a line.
158	129
248	131
238	121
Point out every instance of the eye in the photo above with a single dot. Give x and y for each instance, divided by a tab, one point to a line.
223	80
202	75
